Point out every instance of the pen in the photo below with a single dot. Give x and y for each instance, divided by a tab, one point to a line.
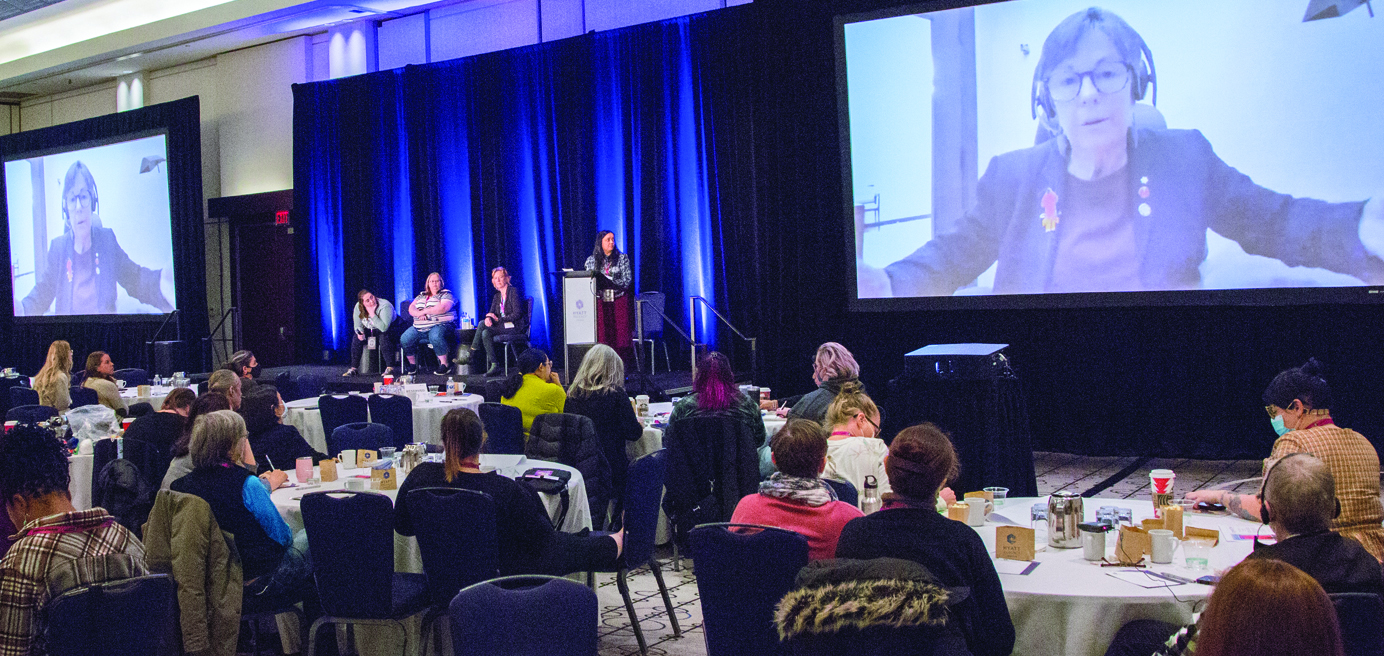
271	462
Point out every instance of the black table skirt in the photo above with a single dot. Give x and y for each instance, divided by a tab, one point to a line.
987	421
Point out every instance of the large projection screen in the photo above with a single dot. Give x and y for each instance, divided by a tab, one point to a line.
90	229
1247	170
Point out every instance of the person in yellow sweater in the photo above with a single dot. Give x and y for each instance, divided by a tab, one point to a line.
535	389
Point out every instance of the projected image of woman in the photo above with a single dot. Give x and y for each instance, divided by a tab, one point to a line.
85	262
1110	205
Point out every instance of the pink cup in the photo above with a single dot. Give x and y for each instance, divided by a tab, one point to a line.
303	469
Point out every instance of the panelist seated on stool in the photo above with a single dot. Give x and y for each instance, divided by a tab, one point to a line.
508	315
371	337
434	313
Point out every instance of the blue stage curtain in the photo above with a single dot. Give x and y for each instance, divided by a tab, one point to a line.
517	159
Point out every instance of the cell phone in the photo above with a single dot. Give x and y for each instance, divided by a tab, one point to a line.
1209	579
1207	506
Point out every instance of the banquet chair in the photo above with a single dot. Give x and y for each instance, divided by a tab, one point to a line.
549	615
396	412
1361	616
359	435
517	339
651	320
83	396
352	538
31	414
845	491
132	376
504	428
643	494
125	617
743	570
342	409
23	396
457	541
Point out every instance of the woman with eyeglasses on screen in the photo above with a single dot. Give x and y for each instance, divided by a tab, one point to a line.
1108	203
85	262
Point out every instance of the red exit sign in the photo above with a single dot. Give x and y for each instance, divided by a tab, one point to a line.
281	218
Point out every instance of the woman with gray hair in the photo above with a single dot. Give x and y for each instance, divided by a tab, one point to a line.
598	392
275	561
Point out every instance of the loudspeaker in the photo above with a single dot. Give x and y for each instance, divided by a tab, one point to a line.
171	356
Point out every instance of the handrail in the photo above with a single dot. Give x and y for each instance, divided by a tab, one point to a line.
639	330
211	336
692	314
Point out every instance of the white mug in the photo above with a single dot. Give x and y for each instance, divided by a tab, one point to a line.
978	510
1164	542
348	459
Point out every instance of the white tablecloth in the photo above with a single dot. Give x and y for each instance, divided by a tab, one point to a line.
427	418
157	393
1068	605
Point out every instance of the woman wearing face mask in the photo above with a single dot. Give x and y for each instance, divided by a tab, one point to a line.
1299	405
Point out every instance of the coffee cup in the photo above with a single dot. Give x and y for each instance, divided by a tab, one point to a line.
641	405
1161	487
348	459
142	391
1093	541
1163	542
978	509
356	484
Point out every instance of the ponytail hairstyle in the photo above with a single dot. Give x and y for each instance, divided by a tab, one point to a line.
851	401
463	435
528	362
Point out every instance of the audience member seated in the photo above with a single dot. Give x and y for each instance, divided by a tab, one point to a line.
1262	607
598	392
832	370
794	497
57	547
100	376
182	458
371	318
921	461
1298	402
434	314
54	380
715	394
163	428
1299	501
535	389
506	317
854	449
275	443
228	384
274	560
244	365
527	540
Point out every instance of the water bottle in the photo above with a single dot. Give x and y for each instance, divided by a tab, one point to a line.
869	499
451	386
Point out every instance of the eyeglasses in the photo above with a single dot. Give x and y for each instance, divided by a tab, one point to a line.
1108	77
872	422
83	198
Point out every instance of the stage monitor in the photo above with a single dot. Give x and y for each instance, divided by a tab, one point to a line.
90	229
1046	153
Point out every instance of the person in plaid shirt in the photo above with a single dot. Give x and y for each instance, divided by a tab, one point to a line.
58	547
1299	405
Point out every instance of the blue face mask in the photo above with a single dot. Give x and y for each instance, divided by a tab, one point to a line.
1278	426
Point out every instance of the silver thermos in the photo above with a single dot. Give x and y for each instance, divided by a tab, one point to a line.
1064	517
869	499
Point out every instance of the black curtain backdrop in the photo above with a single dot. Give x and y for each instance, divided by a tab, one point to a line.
710	145
26	342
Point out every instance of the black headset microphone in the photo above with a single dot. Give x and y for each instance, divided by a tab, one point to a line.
1145	76
1264	507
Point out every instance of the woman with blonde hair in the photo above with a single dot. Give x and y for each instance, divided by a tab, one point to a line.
833	370
598	392
54	379
854	449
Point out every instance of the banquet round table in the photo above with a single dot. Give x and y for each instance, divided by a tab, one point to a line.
287	500
157	393
304	415
1068	605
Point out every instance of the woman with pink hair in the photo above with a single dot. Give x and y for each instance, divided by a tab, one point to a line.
715	393
833	370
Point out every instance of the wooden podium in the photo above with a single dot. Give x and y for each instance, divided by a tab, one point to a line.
578	313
